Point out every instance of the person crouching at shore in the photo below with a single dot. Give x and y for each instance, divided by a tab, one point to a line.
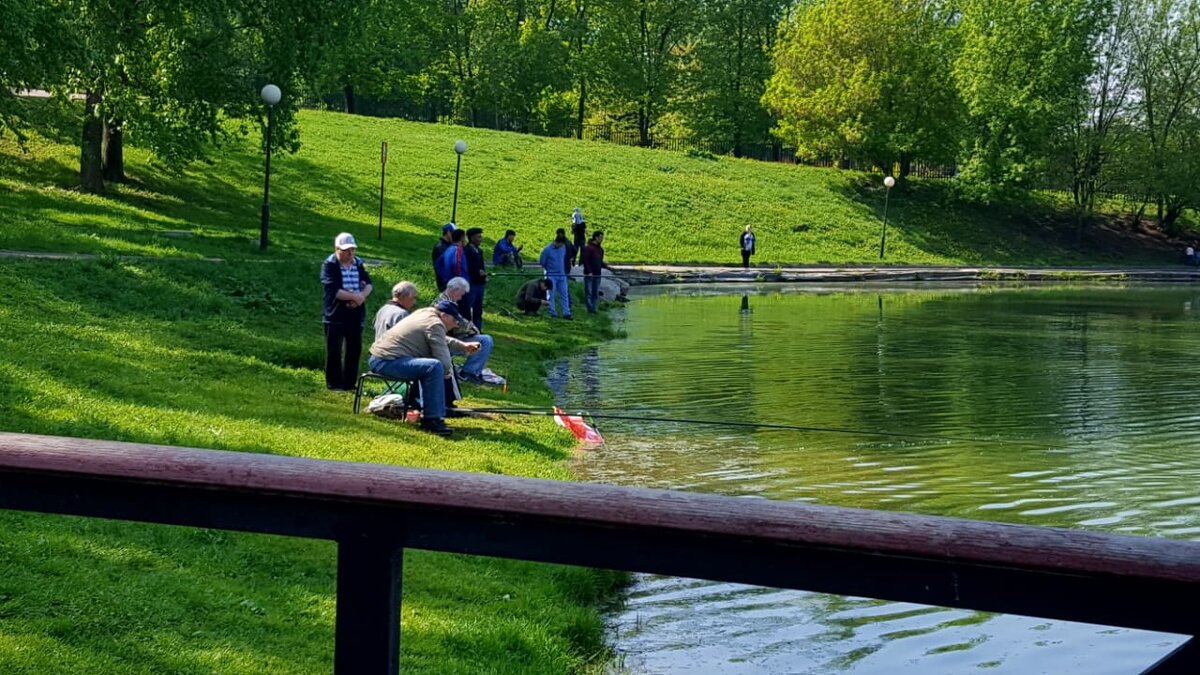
532	295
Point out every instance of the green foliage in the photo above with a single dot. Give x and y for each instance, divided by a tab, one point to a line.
1020	71
728	74
34	47
1165	66
867	79
637	54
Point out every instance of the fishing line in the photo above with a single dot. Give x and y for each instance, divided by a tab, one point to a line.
755	425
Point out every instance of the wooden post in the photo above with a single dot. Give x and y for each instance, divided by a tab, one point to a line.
367	634
382	174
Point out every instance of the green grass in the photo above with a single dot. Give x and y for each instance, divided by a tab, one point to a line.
656	206
164	347
228	356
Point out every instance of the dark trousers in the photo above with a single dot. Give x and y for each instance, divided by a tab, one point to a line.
591	291
576	252
746	259
343	348
531	307
475	297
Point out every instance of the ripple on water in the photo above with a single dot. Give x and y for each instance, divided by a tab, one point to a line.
1072	397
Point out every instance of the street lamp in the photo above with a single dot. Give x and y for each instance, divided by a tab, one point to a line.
270	96
459	147
888	183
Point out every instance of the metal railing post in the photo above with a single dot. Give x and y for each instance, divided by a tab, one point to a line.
367	636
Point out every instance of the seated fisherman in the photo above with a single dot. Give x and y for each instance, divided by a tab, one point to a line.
506	253
466	332
532	295
404	298
418	348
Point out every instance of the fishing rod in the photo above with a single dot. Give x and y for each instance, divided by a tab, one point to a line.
756	425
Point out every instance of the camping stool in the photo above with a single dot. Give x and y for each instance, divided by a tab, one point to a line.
390	386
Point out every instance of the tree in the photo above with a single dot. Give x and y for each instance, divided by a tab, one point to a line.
384	49
33	52
1101	126
730	68
1166	69
1021	70
171	73
637	53
867	79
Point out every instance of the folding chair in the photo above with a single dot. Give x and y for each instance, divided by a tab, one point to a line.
390	386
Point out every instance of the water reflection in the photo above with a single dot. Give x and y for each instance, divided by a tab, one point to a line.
1081	386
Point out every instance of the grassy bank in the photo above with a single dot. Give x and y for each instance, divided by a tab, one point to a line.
656	206
169	348
228	356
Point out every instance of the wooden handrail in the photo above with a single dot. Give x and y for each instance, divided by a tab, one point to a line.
1055	573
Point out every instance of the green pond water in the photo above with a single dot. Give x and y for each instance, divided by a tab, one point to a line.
1093	395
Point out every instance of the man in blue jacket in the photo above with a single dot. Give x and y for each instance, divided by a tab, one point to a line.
506	253
452	263
347	286
554	263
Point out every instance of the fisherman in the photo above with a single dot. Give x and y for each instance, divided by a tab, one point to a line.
404	298
532	295
440	248
593	266
476	274
553	262
347	286
466	332
506	253
418	348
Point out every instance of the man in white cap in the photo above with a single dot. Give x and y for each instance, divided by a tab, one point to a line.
347	286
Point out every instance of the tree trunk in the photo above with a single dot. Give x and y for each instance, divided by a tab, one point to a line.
582	108
114	151
905	165
643	127
91	176
351	105
1172	215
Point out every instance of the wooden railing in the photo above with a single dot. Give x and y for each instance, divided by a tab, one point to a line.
373	512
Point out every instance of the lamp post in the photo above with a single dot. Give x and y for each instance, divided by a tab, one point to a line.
270	96
888	183
459	147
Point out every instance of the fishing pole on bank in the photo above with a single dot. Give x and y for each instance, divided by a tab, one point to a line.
754	425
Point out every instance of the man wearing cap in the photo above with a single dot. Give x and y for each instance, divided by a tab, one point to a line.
476	274
347	286
418	348
440	248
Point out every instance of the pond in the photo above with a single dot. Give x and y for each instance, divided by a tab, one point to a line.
1069	407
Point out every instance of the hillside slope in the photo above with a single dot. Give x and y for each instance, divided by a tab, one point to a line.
656	206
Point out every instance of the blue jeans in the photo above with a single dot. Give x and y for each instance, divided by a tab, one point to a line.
429	371
560	290
591	291
476	362
475	299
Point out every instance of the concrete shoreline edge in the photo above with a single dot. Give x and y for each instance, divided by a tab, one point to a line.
643	275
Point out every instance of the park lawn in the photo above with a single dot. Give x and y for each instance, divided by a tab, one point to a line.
149	342
218	355
656	206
